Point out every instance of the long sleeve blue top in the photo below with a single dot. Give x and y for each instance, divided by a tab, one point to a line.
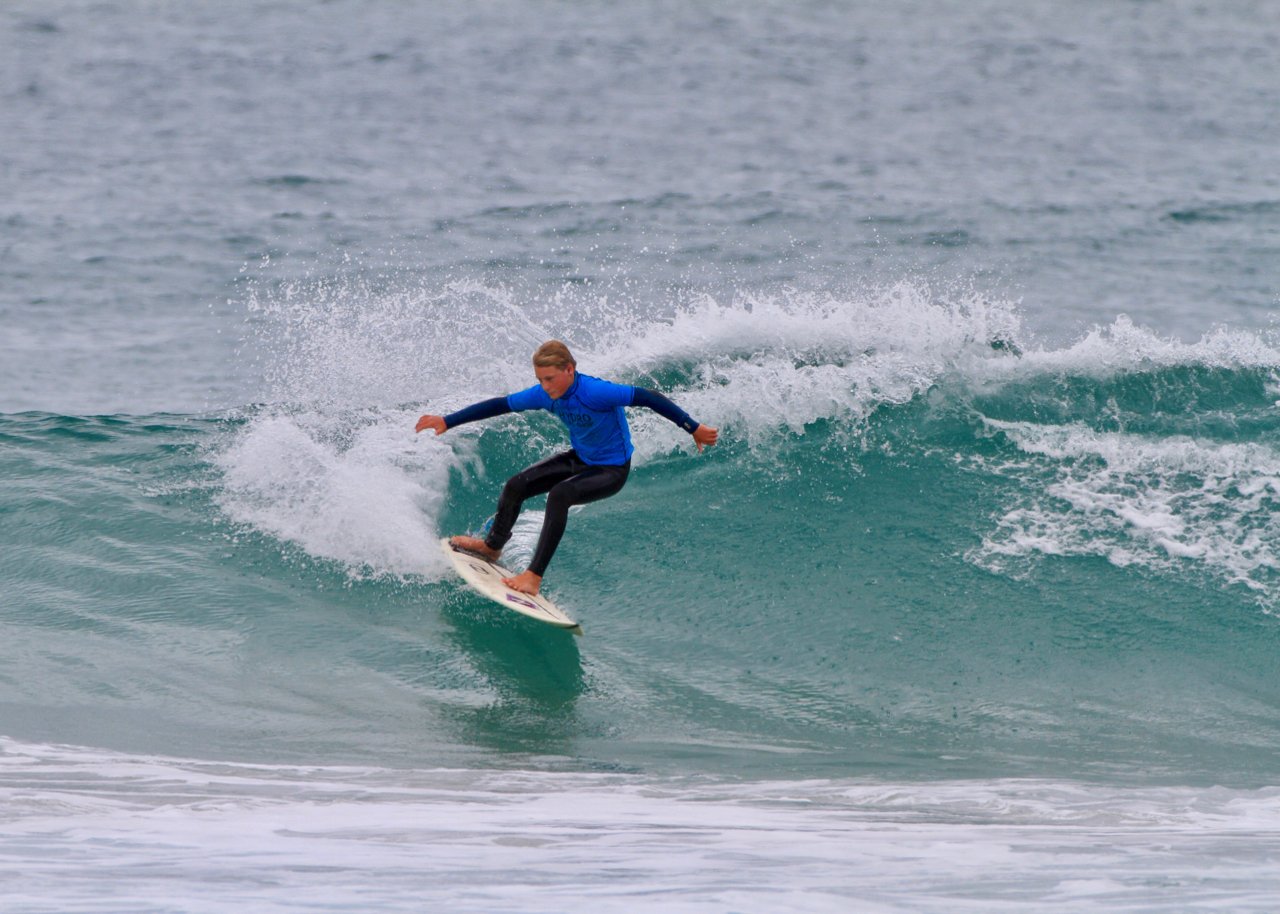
593	411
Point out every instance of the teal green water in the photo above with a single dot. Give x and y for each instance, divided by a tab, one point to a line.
1030	568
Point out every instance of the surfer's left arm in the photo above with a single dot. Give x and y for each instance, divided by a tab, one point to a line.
703	435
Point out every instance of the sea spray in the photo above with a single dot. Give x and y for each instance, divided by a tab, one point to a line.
329	461
365	496
1099	432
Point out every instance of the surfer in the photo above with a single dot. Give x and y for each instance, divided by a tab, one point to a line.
596	467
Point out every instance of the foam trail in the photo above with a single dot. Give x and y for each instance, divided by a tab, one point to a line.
367	498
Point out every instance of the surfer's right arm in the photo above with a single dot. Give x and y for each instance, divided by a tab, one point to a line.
485	409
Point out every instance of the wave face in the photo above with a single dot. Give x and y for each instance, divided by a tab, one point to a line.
926	547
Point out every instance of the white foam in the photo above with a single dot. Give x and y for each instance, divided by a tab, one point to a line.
1124	346
93	831
765	364
1132	499
365	492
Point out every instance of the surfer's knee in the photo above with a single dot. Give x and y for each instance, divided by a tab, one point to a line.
515	488
561	498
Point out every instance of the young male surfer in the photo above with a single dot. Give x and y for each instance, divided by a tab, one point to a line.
595	468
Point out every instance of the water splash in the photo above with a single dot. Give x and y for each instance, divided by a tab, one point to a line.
331	464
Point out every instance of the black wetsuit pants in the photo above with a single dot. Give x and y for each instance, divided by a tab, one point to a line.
566	481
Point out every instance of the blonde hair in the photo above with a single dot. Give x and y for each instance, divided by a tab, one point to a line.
553	354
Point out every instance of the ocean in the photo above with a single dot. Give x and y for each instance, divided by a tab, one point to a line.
974	607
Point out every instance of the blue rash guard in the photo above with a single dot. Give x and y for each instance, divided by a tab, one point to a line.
591	408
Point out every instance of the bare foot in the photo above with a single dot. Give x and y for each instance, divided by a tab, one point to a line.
476	545
525	582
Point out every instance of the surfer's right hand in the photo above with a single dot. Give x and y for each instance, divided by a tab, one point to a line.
436	423
705	436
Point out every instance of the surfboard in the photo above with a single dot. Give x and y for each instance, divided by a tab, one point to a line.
485	578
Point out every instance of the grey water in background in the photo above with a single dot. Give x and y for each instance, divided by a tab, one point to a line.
1084	159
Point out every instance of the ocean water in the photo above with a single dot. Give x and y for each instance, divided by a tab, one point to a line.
975	607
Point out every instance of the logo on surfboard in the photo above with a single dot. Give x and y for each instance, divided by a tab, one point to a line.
528	604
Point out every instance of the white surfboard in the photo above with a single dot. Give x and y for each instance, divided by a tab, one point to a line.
485	578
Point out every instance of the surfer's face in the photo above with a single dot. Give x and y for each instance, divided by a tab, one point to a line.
555	381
